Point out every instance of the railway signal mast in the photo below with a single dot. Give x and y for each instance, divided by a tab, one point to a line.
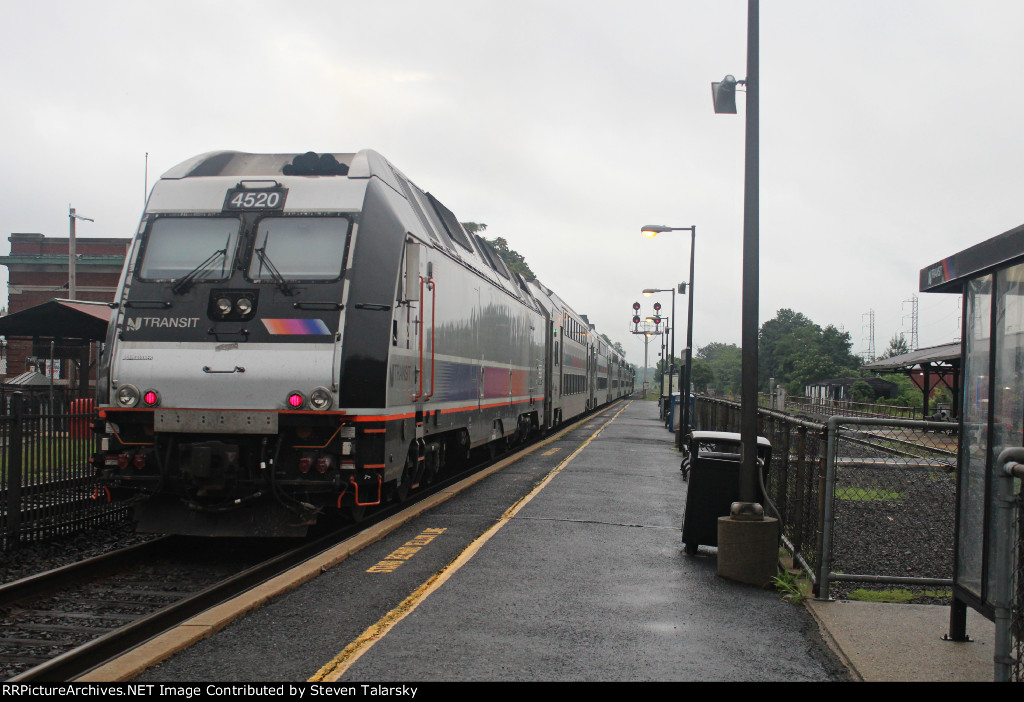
647	333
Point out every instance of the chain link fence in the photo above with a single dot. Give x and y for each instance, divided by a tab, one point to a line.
889	519
864	503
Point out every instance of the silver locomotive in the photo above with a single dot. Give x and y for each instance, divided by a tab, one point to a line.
302	336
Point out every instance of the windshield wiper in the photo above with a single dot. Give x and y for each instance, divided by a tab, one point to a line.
275	274
189	279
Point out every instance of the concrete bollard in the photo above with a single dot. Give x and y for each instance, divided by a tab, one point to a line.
748	549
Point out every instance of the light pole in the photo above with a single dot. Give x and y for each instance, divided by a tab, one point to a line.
651	231
747	540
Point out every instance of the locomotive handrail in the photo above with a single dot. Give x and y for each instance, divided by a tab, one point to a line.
429	282
432	286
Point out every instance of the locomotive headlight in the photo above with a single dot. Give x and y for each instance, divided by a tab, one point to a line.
296	400
223	306
244	306
127	396
320	399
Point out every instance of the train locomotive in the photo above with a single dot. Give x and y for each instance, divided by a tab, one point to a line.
299	337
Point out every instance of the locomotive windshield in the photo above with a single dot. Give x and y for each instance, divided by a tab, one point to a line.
197	247
299	248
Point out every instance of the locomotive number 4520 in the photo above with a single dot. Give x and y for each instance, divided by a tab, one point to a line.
269	199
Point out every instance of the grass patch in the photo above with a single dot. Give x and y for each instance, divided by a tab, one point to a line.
895	596
793	586
868	494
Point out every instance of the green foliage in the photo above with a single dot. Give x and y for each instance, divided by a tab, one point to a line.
862	392
907	394
512	258
726	364
867	494
702	376
792	587
797	352
897	347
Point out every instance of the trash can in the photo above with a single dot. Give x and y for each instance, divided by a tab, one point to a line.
672	417
712	462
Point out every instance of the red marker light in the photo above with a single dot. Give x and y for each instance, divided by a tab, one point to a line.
296	400
151	398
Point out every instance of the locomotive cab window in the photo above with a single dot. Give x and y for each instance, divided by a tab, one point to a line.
298	248
198	247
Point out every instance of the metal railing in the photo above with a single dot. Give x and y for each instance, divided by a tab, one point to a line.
865	501
47	485
826	407
889	516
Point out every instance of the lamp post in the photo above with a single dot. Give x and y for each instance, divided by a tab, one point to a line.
651	231
747	540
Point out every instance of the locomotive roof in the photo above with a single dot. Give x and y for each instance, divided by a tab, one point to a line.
237	163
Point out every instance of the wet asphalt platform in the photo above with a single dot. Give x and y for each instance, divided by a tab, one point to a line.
565	565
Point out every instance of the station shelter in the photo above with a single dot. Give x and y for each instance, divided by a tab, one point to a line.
990	277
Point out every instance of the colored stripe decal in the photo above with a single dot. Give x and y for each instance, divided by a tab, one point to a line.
296	326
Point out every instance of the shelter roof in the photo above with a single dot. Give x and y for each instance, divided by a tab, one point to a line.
66	319
946	353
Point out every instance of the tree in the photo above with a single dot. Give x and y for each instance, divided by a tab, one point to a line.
897	347
797	352
701	375
726	364
512	258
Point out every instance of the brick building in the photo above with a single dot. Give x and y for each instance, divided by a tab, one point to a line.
38	272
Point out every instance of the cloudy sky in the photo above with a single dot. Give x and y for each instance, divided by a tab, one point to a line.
890	132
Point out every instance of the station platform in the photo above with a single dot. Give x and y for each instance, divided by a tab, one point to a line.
563	565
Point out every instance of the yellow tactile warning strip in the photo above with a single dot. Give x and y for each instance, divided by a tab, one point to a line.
344	660
410	548
208	623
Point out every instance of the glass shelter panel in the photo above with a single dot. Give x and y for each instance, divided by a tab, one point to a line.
974	438
1008	394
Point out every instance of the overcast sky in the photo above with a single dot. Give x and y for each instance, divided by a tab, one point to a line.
890	133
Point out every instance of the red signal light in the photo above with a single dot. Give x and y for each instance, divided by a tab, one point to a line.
636	306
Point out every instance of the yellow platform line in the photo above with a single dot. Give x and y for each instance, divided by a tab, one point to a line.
337	667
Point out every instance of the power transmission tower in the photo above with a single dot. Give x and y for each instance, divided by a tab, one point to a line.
869	355
913	321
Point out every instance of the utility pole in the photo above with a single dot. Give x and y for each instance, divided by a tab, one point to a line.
72	287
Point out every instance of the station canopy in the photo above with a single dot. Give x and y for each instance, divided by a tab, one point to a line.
927	368
59	319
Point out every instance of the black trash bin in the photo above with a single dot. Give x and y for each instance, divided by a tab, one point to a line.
712	462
